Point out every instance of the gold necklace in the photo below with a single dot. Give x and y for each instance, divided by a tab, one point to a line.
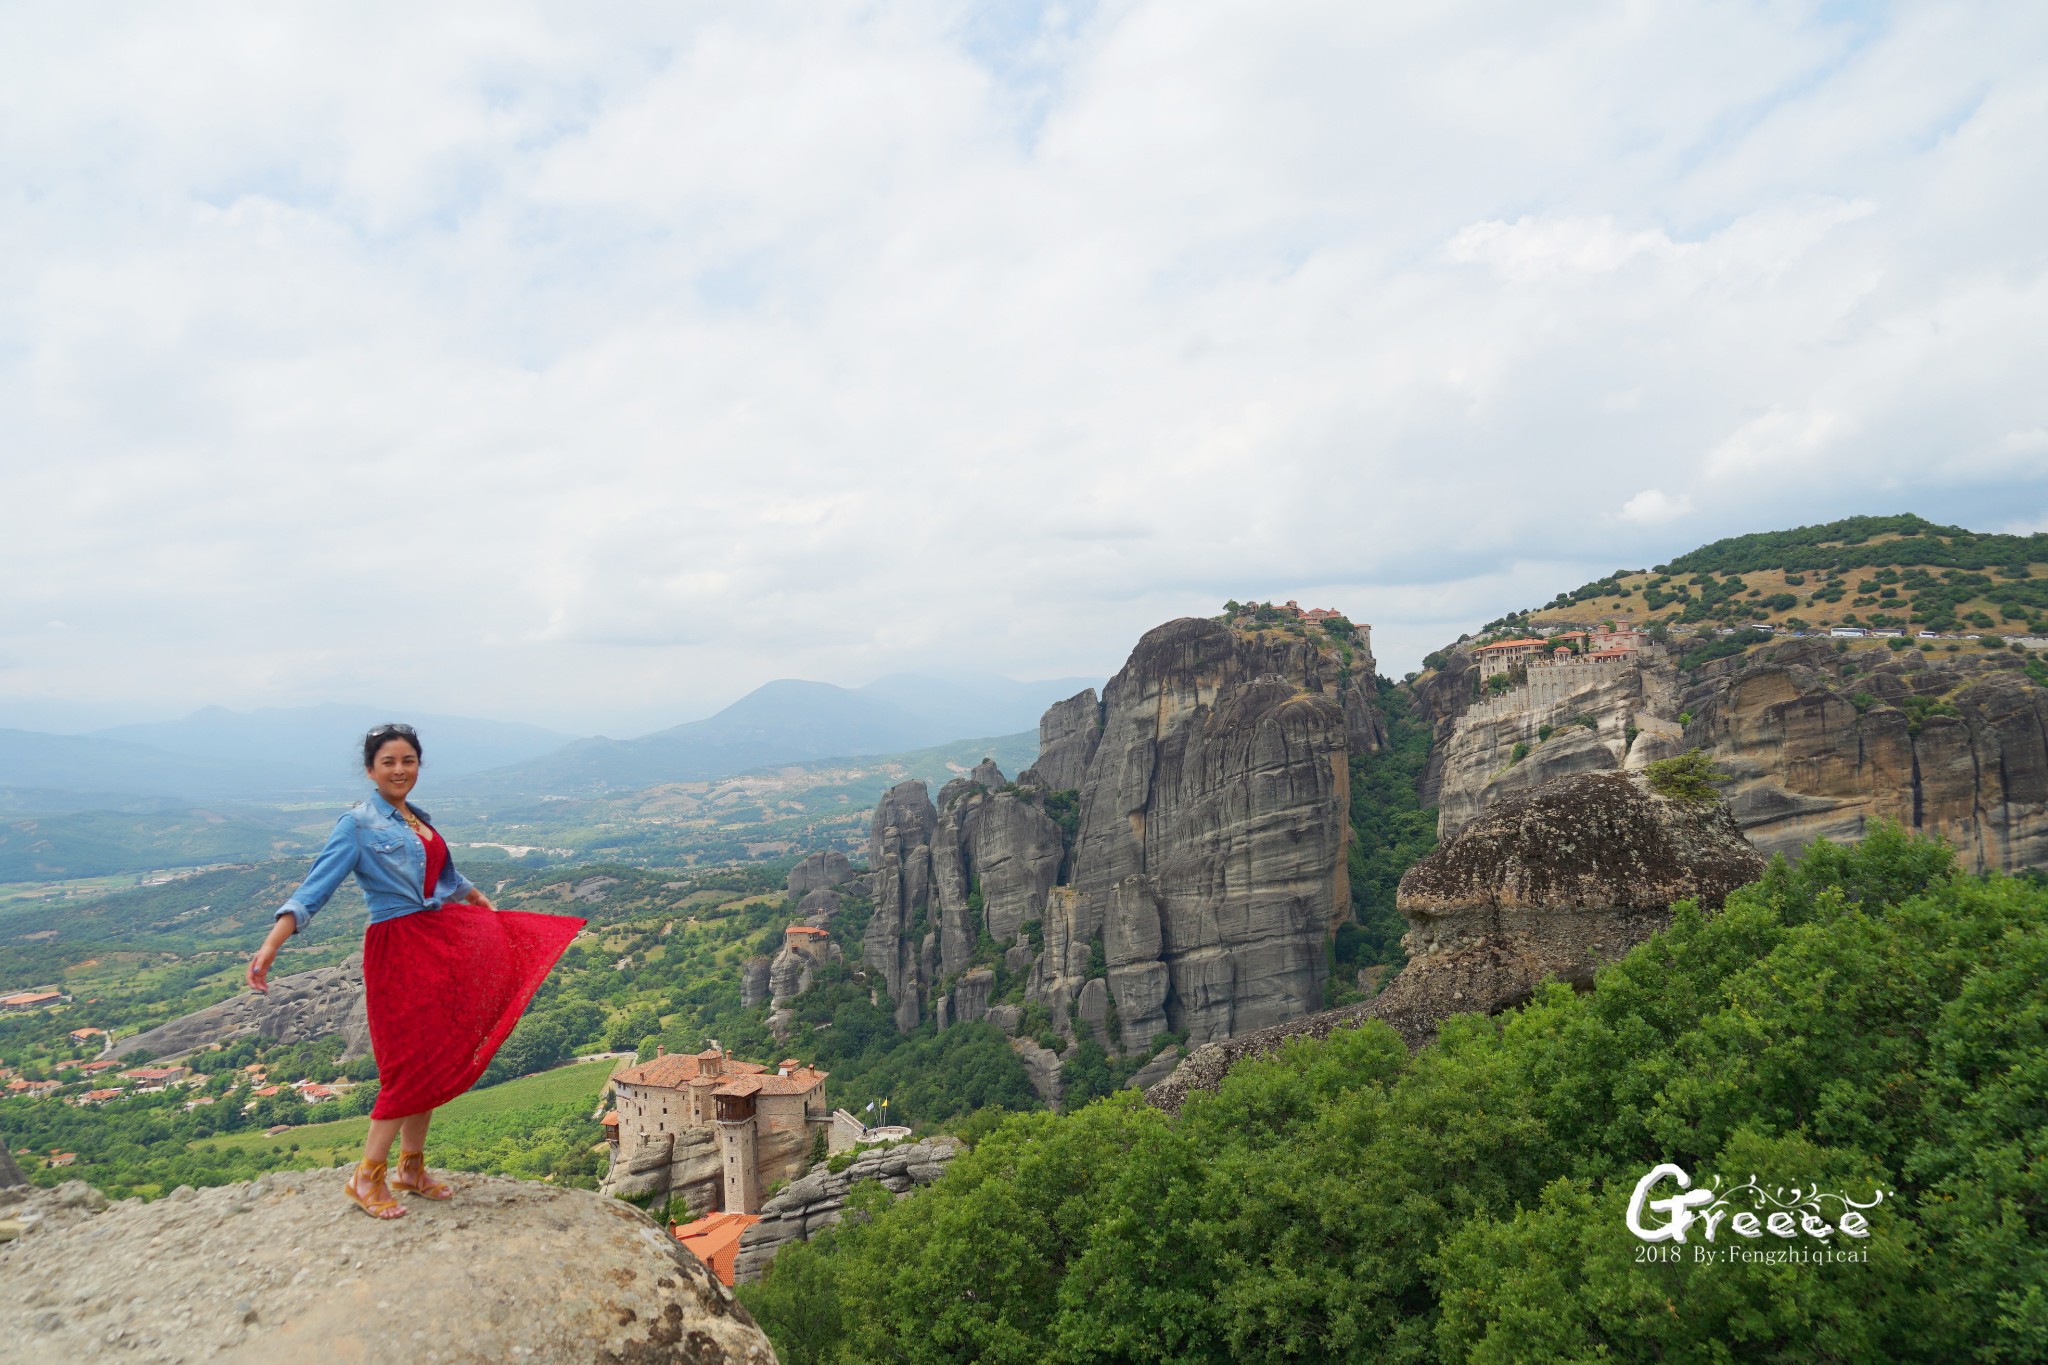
405	812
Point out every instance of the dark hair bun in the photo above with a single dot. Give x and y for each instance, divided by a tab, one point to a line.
384	734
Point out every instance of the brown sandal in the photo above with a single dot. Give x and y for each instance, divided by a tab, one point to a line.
371	1173
412	1178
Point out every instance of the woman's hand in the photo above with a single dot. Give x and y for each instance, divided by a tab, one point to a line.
476	896
260	963
259	968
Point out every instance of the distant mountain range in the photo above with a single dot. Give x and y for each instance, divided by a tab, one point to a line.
317	745
309	753
790	721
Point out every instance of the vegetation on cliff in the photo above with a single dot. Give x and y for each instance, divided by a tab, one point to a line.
1867	1019
1391	830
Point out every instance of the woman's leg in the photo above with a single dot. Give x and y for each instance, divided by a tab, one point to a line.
367	1182
377	1146
411	1173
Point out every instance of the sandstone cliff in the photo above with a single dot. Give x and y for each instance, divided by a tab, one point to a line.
297	1009
1201	870
1817	742
1548	883
282	1269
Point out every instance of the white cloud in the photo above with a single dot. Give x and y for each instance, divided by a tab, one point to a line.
1654	507
595	366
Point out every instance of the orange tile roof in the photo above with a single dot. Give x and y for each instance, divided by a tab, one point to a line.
715	1240
1505	644
808	930
677	1069
799	1082
1610	653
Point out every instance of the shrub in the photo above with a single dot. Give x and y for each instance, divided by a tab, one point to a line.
1689	776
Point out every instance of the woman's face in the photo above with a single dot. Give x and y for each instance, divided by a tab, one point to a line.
395	769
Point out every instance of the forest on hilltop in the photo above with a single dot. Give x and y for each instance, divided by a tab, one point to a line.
1894	571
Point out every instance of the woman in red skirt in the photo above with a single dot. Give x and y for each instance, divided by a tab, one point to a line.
446	973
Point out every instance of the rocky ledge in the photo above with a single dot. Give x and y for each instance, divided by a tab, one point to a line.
813	1203
298	1008
284	1268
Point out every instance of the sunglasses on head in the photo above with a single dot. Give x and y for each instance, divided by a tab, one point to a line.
382	730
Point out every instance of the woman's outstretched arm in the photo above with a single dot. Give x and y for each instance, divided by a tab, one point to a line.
337	859
282	928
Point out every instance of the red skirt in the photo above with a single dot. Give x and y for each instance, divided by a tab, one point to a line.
445	988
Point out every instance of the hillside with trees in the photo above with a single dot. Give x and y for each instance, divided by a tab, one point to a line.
1881	572
1867	1020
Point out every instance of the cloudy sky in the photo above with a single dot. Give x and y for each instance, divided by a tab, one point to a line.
591	365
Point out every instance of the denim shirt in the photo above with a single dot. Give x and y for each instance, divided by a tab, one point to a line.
374	842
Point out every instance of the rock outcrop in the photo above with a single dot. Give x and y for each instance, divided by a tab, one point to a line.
1042	1067
754	978
298	1008
819	872
282	1269
994	856
1952	745
1193	877
819	906
1597	728
1208	868
1552	883
1547	883
898	943
813	1203
1067	735
1816	742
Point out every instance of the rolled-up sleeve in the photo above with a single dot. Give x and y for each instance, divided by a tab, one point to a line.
330	869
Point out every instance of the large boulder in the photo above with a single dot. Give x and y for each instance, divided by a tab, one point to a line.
284	1269
1554	881
298	1008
